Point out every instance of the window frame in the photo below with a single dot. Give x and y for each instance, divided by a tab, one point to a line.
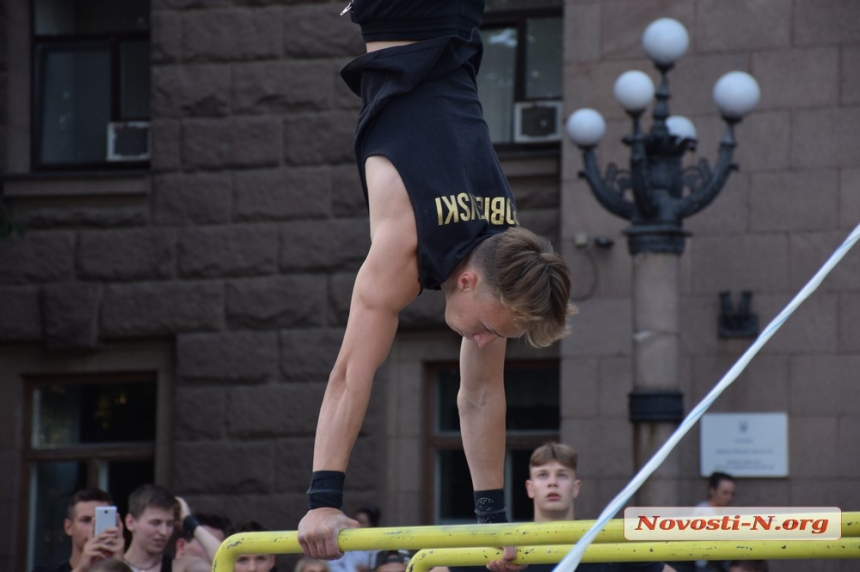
114	40
451	441
91	455
518	18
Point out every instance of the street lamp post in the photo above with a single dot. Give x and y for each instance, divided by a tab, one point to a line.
656	194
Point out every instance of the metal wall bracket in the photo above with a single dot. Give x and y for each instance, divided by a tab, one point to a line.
737	322
651	405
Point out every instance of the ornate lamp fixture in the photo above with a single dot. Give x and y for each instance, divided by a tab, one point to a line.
663	192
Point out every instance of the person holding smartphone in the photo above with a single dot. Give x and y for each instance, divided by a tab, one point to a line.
87	546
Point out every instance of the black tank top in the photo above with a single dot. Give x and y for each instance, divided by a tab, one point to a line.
421	111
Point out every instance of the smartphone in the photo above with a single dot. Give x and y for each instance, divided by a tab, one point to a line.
105	518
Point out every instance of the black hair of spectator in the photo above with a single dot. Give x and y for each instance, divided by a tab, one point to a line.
86	495
374	515
384	557
211	520
251	526
716	477
150	495
750	565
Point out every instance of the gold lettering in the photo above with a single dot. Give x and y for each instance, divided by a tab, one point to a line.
511	217
464	207
497	210
463	201
451	203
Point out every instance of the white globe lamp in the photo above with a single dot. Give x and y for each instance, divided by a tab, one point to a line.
681	127
736	94
665	40
634	90
586	127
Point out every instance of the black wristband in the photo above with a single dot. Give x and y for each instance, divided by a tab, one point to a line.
326	490
490	506
189	524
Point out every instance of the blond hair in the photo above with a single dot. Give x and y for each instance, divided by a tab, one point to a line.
530	279
549	452
305	561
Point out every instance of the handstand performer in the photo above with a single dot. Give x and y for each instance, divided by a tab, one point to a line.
442	216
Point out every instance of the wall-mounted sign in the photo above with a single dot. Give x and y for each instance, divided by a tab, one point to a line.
745	444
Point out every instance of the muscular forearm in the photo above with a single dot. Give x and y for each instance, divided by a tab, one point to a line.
482	424
341	416
367	340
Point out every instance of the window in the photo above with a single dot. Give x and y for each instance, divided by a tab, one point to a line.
532	390
519	84
97	430
90	84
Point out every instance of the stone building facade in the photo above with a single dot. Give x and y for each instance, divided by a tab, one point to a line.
220	271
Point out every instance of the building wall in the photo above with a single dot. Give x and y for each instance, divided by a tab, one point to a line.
776	222
239	246
235	252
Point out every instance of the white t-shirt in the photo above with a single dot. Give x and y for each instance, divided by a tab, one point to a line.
353	561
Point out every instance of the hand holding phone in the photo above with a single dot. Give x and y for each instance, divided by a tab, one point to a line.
105	518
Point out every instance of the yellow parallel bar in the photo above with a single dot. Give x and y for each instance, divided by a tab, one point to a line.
846	548
454	536
416	538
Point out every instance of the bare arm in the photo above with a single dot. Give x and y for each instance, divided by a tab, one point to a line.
195	565
369	334
481	403
206	539
482	406
386	283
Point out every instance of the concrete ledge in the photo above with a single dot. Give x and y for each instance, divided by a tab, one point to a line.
531	164
28	185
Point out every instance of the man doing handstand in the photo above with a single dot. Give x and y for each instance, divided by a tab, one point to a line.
442	216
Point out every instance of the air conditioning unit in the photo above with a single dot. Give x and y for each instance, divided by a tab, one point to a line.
128	141
537	121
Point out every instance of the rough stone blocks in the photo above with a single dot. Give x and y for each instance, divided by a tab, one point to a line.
236	468
217	144
338	244
309	354
295	301
236	356
37	257
283	86
271	411
317	30
282	194
160	308
20	311
136	254
191	90
70	313
232	34
188	199
228	250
